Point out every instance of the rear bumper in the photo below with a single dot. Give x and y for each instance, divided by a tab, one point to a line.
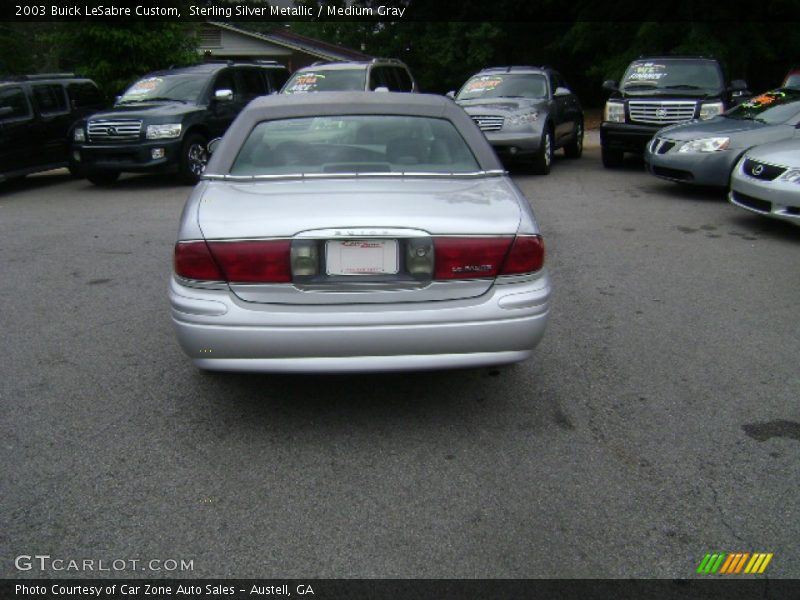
221	332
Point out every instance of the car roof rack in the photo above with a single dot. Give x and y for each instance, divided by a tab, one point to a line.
510	68
40	76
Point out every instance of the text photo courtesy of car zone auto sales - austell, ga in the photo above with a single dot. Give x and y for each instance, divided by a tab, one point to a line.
399	299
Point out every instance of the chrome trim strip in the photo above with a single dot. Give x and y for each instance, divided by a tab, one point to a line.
471	175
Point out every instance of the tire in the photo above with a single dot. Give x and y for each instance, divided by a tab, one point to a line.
194	157
611	158
544	158
102	178
575	148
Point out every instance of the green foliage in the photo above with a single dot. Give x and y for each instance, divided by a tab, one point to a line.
114	54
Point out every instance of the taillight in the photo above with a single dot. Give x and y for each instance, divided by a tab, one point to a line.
257	261
469	258
477	257
193	260
526	255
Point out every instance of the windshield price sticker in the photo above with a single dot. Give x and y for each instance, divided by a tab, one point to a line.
362	257
647	72
144	87
483	84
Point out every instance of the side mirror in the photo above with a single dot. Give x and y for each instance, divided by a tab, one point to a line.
562	91
451	94
223	95
5	110
610	85
738	85
212	145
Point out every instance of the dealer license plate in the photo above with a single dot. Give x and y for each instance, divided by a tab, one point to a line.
361	257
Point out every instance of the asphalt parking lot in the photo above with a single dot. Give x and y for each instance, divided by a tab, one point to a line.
659	420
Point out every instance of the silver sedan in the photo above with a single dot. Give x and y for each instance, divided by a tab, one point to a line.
767	181
357	232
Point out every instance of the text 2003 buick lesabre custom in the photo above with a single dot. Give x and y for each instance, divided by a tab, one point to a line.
357	232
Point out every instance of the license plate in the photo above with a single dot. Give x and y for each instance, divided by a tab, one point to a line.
361	257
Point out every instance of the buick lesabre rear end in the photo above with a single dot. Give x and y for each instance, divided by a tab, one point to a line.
357	232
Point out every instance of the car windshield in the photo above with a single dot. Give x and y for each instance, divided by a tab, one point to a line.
181	88
773	107
665	74
504	85
332	80
792	81
354	144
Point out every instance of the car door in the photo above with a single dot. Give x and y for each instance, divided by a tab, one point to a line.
560	112
223	112
16	121
51	103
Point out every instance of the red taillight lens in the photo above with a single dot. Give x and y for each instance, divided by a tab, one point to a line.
469	258
257	261
526	255
193	260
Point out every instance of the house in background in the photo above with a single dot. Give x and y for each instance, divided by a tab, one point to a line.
221	41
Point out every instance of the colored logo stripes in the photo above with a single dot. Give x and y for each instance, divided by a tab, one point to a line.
733	563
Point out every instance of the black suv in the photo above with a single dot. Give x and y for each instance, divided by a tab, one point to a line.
165	120
37	113
526	113
365	76
659	91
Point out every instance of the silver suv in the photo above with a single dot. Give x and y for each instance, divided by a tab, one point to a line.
379	73
526	113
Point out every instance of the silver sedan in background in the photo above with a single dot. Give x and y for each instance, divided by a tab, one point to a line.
767	181
357	232
705	152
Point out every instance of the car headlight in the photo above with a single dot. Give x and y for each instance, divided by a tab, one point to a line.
165	131
522	118
614	112
712	144
711	109
79	135
792	176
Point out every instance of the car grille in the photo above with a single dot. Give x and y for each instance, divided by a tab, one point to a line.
752	203
661	145
760	170
114	131
661	112
488	122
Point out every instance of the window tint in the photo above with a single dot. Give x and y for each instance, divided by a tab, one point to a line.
377	78
354	144
251	83
225	81
84	94
555	82
50	98
13	99
276	78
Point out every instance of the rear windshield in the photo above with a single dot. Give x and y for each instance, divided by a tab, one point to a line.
773	107
354	144
334	80
504	85
183	88
666	74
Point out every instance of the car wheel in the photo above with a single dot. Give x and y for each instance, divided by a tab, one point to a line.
102	178
194	157
544	158
611	158
575	148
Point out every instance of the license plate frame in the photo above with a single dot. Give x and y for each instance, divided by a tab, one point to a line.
362	257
